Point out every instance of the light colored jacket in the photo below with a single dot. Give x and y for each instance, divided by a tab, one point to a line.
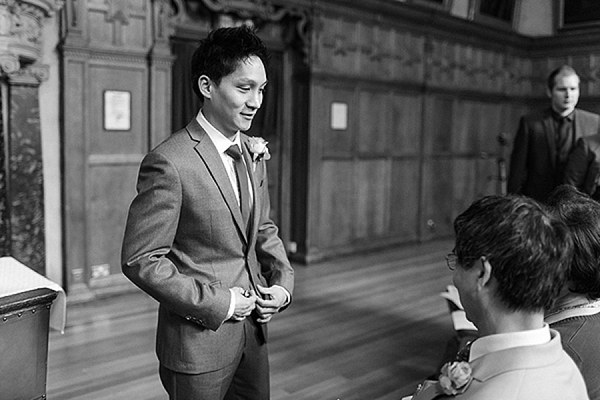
544	372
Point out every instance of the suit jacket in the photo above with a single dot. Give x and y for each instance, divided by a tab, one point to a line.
583	165
185	245
533	170
524	373
580	339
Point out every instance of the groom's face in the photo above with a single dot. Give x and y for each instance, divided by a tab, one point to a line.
231	105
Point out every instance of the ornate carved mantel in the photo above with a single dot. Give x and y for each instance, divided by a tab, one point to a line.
21	178
252	12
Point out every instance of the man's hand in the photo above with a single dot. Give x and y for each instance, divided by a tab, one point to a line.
273	299
245	302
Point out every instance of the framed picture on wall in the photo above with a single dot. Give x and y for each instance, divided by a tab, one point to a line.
578	13
117	110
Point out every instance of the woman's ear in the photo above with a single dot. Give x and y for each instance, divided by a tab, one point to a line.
205	85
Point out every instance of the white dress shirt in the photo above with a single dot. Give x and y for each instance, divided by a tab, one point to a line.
502	341
222	143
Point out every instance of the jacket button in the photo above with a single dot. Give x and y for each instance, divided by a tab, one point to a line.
188	317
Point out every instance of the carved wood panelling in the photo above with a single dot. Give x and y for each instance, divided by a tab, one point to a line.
405	120
108	45
119	23
336	205
425	113
383	51
335	143
404	191
457	65
436	201
350	47
372	193
374	118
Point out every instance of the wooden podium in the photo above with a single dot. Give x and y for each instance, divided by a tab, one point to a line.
24	326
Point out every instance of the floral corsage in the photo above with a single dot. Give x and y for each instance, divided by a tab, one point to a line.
258	148
455	378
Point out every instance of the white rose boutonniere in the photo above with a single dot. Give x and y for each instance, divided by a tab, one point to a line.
258	148
455	377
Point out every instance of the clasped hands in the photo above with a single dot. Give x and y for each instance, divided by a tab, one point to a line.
272	300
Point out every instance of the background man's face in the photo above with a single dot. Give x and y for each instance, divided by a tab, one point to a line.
565	94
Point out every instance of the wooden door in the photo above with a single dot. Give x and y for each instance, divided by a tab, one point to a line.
102	153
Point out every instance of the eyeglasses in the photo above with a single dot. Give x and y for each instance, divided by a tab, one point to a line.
452	259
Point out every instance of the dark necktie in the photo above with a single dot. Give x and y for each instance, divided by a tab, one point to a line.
463	353
242	180
563	142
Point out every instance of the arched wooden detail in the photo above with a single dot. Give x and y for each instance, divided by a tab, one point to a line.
254	12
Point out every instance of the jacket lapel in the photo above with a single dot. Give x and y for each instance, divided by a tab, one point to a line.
577	125
212	159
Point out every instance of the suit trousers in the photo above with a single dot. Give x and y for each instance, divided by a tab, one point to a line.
245	379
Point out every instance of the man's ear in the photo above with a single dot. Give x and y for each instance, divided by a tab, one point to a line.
205	85
484	273
548	92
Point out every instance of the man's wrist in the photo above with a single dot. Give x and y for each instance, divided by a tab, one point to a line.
287	295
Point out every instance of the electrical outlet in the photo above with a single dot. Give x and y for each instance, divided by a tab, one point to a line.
100	271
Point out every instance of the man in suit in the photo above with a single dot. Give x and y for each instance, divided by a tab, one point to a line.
545	138
509	263
199	238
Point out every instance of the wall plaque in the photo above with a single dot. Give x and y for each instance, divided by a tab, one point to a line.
117	110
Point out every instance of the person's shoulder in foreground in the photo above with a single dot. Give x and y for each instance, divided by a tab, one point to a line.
511	259
576	313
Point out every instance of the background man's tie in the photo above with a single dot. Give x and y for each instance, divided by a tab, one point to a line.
242	178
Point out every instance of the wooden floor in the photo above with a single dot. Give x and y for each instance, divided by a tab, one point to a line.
364	328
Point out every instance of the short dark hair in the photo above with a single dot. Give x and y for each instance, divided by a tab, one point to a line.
221	52
528	248
562	70
582	215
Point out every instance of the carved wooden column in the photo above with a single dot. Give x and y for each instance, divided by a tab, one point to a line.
21	178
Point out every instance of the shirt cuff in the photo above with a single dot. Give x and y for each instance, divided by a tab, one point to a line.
288	297
231	305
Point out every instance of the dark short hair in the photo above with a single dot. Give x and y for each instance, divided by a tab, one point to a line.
221	52
528	248
582	215
562	70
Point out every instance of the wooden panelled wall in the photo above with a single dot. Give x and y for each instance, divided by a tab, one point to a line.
427	96
108	46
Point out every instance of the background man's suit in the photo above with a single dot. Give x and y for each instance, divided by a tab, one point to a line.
583	166
533	160
185	245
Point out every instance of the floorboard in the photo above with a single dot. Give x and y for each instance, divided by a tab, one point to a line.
367	327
